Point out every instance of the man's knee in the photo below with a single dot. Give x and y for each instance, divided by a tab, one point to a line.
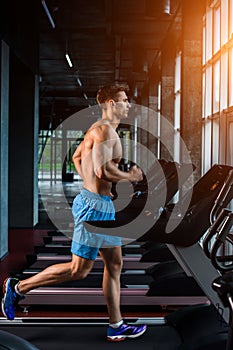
78	274
114	266
79	270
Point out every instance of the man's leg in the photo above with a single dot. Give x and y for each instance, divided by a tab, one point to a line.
77	268
117	330
112	258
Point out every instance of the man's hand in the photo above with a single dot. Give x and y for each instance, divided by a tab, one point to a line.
135	174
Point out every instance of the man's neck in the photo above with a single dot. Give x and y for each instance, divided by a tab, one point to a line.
113	123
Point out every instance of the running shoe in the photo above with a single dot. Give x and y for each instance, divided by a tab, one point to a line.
10	298
125	331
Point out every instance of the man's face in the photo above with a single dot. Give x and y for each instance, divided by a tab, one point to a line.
122	105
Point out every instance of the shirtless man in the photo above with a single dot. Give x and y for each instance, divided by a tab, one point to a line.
96	160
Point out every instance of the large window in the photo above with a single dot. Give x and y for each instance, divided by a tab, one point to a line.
56	148
217	81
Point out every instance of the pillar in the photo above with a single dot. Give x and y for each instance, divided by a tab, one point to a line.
23	147
4	115
191	80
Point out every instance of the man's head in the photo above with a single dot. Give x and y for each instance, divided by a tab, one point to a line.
111	92
114	101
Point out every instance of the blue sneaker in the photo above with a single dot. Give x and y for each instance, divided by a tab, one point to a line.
125	331
10	298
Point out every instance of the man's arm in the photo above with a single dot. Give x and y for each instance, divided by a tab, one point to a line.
102	155
77	159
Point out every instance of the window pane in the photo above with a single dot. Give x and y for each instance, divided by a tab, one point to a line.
177	107
177	72
203	95
177	91
204	45
203	148
209	34
208	94
159	118
224	21
207	145
216	87
230	144
231	77
231	18
216	29
215	143
177	112
224	82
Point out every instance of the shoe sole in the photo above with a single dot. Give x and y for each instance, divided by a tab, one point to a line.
4	288
116	338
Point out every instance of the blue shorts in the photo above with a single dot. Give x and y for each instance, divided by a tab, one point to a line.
89	206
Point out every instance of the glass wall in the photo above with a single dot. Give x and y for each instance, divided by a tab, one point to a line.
56	148
217	86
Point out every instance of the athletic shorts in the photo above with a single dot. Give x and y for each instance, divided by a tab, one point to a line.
89	206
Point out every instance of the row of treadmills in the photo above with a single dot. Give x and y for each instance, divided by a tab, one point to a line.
159	268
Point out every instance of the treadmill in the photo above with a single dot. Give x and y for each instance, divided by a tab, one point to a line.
186	249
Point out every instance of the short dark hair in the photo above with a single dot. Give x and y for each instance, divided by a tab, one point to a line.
108	92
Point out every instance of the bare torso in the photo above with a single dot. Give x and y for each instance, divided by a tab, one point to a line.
97	138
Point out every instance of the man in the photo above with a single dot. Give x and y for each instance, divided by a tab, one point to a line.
96	160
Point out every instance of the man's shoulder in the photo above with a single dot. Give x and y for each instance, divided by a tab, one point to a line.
101	128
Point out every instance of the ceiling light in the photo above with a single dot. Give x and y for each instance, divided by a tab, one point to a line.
68	60
79	82
159	8
85	96
48	13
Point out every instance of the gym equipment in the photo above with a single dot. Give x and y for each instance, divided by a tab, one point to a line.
224	287
183	240
215	239
13	342
195	220
190	255
160	184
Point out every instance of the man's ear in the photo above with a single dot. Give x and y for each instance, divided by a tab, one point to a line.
112	102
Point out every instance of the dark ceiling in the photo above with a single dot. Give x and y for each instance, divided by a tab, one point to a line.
107	41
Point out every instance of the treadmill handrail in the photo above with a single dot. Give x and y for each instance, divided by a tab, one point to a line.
220	239
214	230
221	199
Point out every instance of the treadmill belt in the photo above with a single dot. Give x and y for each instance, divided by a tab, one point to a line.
93	337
